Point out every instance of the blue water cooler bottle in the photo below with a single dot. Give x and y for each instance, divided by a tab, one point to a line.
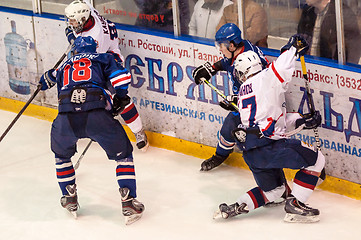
16	52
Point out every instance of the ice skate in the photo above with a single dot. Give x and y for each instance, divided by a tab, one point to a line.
132	208
226	211
142	140
70	201
212	162
297	211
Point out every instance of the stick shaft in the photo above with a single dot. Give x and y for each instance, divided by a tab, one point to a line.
21	112
76	166
33	96
310	102
220	93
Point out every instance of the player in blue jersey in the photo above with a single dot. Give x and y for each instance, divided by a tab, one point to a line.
229	41
86	110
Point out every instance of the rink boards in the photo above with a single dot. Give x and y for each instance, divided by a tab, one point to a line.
178	114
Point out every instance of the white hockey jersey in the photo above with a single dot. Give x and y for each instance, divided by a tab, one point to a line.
104	33
261	99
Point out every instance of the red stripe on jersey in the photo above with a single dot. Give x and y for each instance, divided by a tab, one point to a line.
125	170
303	184
234	57
312	173
276	73
65	172
121	79
132	119
254	200
270	121
128	108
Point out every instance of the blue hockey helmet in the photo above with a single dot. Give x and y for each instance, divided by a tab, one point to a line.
228	33
84	44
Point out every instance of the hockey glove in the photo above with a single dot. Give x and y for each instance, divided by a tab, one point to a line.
299	42
70	34
309	120
227	105
119	104
203	71
47	80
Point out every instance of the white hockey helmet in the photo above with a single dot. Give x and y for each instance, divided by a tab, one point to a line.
246	65
78	13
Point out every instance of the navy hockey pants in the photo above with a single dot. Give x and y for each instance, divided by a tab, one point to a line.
98	125
267	162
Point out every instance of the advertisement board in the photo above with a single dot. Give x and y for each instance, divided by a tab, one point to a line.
166	96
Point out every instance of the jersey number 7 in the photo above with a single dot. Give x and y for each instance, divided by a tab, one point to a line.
250	101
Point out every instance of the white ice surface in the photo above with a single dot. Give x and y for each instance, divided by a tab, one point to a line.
179	199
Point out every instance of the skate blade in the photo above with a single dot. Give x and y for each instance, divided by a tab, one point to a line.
132	218
295	218
145	148
219	215
74	214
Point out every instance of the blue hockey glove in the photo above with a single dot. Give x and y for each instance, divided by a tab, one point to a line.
309	120
203	71
119	104
227	105
299	42
47	80
70	34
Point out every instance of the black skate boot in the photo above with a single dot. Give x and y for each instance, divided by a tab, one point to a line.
297	211
226	211
132	208
70	201
212	162
142	140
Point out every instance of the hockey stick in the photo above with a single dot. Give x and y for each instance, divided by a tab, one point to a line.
311	106
310	102
21	112
220	93
38	88
76	166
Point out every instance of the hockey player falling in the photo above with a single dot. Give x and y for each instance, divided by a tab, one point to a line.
86	110
83	21
266	150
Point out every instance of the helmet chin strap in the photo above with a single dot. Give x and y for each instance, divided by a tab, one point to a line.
232	52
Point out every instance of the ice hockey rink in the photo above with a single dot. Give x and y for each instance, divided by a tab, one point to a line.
179	199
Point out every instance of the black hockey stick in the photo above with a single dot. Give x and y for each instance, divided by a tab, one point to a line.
312	108
76	166
38	88
310	102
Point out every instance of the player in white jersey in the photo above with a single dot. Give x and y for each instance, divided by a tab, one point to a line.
261	136
84	20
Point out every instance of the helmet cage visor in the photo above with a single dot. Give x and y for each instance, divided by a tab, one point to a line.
77	13
239	75
220	44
